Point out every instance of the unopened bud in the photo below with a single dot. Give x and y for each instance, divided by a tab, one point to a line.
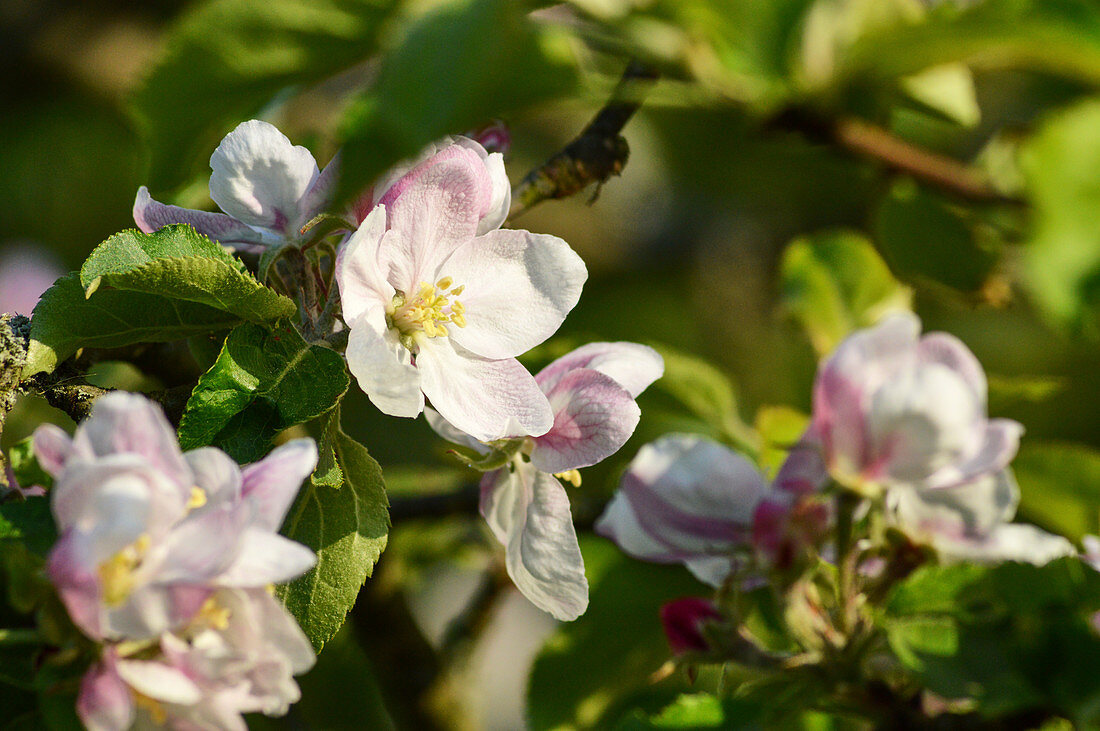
684	620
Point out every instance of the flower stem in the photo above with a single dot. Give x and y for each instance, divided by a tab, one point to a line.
20	637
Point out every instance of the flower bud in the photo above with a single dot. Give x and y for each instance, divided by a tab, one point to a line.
684	621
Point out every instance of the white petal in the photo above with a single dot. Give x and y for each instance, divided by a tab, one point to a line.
541	551
631	365
1010	542
519	288
501	199
487	399
360	273
445	429
52	447
218	476
949	351
971	510
383	366
267	558
271	484
151	215
160	681
259	176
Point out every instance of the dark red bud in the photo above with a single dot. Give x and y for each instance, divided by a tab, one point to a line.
683	621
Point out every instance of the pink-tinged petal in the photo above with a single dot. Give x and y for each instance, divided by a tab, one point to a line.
972	510
52	448
1000	441
159	681
487	399
282	631
383	366
593	418
519	288
151	215
216	475
500	198
436	209
683	621
319	194
803	471
1008	542
494	137
529	513
631	365
712	570
682	498
259	177
949	351
121	492
447	431
271	484
861	364
267	558
360	272
76	581
125	423
105	702
201	547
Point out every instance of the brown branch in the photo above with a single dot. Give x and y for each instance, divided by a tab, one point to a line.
596	154
865	140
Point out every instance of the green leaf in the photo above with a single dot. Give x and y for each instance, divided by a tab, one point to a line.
698	711
834	283
922	237
1063	256
780	428
475	60
705	392
347	526
24	465
591	665
946	91
180	263
224	60
1013	637
29	521
262	382
64	321
1060	486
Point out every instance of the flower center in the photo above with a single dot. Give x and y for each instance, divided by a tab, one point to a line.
117	573
428	311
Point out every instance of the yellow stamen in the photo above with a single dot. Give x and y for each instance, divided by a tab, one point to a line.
445	283
211	614
573	477
197	499
427	312
116	574
151	706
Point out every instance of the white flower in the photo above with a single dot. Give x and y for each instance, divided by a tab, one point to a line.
437	309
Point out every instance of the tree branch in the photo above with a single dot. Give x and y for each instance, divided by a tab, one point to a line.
596	154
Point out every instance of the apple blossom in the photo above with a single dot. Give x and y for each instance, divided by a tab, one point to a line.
438	308
891	408
238	655
685	499
683	621
148	533
267	188
591	391
970	522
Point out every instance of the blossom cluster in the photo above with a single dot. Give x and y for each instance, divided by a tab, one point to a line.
166	560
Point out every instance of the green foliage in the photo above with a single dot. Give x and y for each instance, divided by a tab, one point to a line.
698	711
1013	637
346	524
596	662
65	321
224	60
921	236
834	283
262	382
1060	486
24	465
472	61
29	521
179	263
1063	256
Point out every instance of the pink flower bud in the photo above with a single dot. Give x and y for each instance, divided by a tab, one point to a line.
683	621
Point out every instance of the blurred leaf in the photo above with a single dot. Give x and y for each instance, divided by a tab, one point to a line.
612	649
1014	637
224	60
1060	164
64	321
179	263
24	465
1060	487
1059	36
834	283
275	372
921	236
459	65
706	392
780	428
347	526
29	521
947	91
698	711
